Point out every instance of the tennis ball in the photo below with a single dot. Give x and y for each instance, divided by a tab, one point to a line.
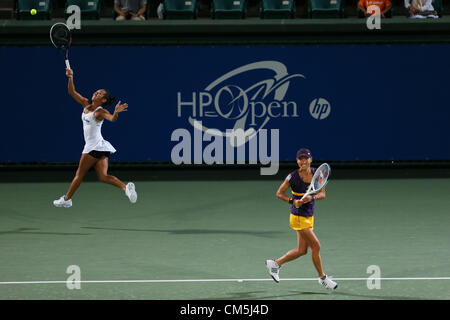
33	12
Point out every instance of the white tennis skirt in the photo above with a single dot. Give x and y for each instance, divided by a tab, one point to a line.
102	145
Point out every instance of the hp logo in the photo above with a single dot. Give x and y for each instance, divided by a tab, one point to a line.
319	108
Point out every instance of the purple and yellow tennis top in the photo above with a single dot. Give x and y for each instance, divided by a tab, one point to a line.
299	188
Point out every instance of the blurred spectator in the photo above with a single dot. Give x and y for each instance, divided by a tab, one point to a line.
384	6
419	9
130	9
160	9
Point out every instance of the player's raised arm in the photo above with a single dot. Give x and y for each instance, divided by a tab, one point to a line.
104	114
71	88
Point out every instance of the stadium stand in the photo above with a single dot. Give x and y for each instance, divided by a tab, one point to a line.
325	9
180	9
303	9
228	9
90	9
277	9
6	9
43	7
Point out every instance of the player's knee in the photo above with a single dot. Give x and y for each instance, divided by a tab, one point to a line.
103	178
303	252
300	252
315	247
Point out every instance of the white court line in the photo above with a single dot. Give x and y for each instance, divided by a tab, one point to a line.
213	280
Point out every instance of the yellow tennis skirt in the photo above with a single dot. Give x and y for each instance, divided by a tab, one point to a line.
300	223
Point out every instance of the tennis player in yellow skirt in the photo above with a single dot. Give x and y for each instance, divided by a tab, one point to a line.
301	218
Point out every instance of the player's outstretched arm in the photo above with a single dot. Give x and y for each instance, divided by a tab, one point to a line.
104	114
71	88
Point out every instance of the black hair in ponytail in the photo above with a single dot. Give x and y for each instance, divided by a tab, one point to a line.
109	98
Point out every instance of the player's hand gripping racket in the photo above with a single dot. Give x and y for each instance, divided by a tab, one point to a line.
61	38
319	180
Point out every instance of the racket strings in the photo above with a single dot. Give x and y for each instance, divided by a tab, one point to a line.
320	178
60	36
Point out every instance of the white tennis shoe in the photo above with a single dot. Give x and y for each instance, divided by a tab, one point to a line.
328	283
273	269
130	191
62	202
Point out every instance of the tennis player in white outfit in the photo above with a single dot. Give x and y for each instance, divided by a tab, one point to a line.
96	149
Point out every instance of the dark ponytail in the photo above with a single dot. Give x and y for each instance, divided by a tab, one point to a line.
109	98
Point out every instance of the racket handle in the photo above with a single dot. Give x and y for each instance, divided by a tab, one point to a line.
301	199
304	196
67	64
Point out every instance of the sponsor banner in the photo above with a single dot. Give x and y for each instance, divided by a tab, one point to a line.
232	104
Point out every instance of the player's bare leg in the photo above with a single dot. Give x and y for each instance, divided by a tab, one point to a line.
101	167
274	266
301	250
86	162
314	244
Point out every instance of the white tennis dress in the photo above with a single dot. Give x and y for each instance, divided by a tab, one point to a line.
92	129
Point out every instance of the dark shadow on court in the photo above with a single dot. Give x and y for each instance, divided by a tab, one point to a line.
265	234
32	231
237	295
254	295
375	296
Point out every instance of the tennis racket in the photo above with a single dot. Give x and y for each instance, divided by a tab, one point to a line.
319	180
61	38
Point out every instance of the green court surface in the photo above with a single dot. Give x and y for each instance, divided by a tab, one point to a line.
209	240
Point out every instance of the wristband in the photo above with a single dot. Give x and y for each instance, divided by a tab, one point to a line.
291	201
